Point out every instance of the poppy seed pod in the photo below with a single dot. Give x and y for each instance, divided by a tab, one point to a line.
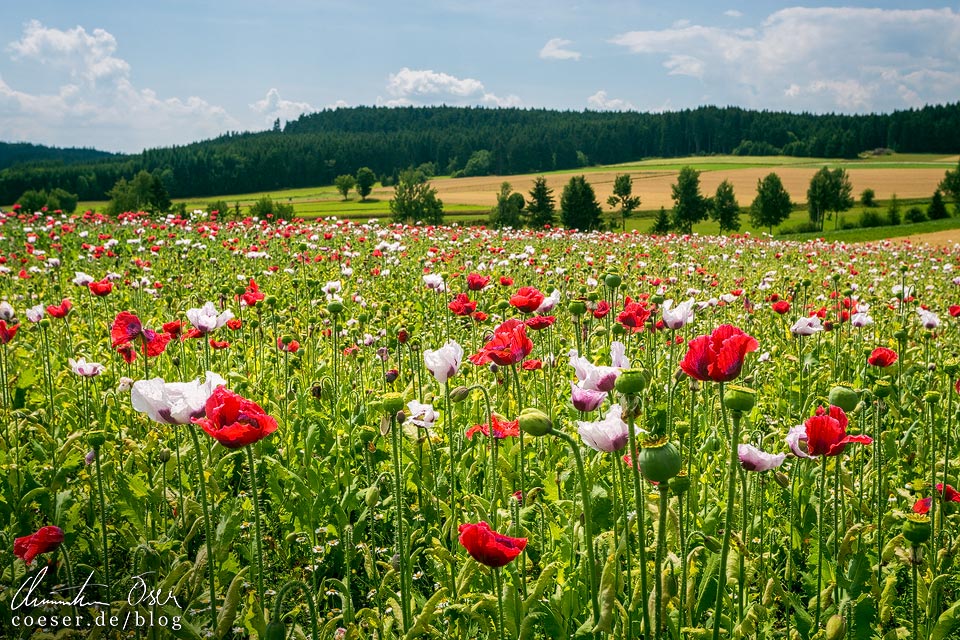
657	298
931	397
916	529
535	422
844	397
577	308
836	627
882	388
392	403
335	307
613	280
96	439
680	483
631	381
659	460
739	398
952	367
276	630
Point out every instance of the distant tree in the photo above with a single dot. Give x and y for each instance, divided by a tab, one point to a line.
61	199
725	209
429	169
366	178
266	207
623	199
937	210
772	204
32	200
868	198
661	224
579	208
829	191
915	214
414	200
144	192
541	209
221	207
689	205
951	185
893	210
509	208
479	164
344	184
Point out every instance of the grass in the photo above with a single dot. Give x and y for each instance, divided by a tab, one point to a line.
880	233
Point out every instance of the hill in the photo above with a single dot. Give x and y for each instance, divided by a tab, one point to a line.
25	153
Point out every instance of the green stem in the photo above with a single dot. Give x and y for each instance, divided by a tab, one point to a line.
103	521
728	517
398	503
823	474
278	604
448	406
641	521
661	549
256	521
206	521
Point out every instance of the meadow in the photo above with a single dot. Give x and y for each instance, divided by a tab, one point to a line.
330	429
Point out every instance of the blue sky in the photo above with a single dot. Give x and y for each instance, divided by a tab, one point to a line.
124	76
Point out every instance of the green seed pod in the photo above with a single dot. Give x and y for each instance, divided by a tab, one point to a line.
882	388
535	422
271	301
900	335
164	455
619	329
239	290
96	439
952	367
711	444
276	630
712	544
739	398
613	280
844	397
392	403
931	397
577	307
656	298
631	381
680	483
593	296
916	529
335	307
659	460
836	627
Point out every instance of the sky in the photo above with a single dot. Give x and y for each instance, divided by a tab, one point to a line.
125	76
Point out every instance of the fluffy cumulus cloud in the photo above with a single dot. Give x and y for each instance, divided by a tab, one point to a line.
820	59
425	86
557	49
273	106
96	102
600	101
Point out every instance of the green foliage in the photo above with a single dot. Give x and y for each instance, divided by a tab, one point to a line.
344	184
772	204
868	198
725	209
366	178
266	207
579	208
830	191
689	205
145	192
33	200
221	207
937	210
751	148
541	208
893	210
661	224
871	218
951	184
915	214
509	208
53	200
623	199
479	164
414	200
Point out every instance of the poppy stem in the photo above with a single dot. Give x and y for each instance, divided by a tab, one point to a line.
661	551
103	521
288	586
398	505
206	521
256	521
728	516
641	520
498	587
823	474
448	406
587	524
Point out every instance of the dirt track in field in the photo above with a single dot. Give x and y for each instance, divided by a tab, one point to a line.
654	187
946	238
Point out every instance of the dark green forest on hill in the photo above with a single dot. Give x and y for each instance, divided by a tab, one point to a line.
316	148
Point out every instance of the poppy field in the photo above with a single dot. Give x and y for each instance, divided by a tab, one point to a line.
327	429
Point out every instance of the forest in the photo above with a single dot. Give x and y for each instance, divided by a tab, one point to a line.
317	147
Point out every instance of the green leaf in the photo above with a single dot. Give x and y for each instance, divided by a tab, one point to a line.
946	623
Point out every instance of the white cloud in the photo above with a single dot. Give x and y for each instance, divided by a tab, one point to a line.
96	103
601	102
733	13
555	49
821	59
418	86
273	107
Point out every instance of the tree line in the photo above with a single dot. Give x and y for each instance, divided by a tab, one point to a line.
317	148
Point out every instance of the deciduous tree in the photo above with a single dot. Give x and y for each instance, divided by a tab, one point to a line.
725	209
772	204
344	183
414	200
689	205
365	181
623	199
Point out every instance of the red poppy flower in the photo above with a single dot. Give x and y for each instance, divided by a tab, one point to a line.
540	322
127	328
234	324
509	345
479	316
633	316
882	357
476	282
950	495
234	421
101	288
488	547
7	333
922	506
44	540
532	365
603	308
173	327
954	310
61	310
718	357
462	305
127	352
781	306
826	433
527	299
218	344
252	295
506	281
291	347
501	428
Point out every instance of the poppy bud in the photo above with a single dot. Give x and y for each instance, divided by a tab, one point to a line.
503	305
710	444
844	397
659	460
739	398
372	496
175	360
401	417
164	455
391	375
45	322
836	627
680	483
916	529
900	335
276	630
882	388
535	422
782	479
577	308
335	307
392	403
656	298
631	381
952	367
459	394
931	397
613	280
